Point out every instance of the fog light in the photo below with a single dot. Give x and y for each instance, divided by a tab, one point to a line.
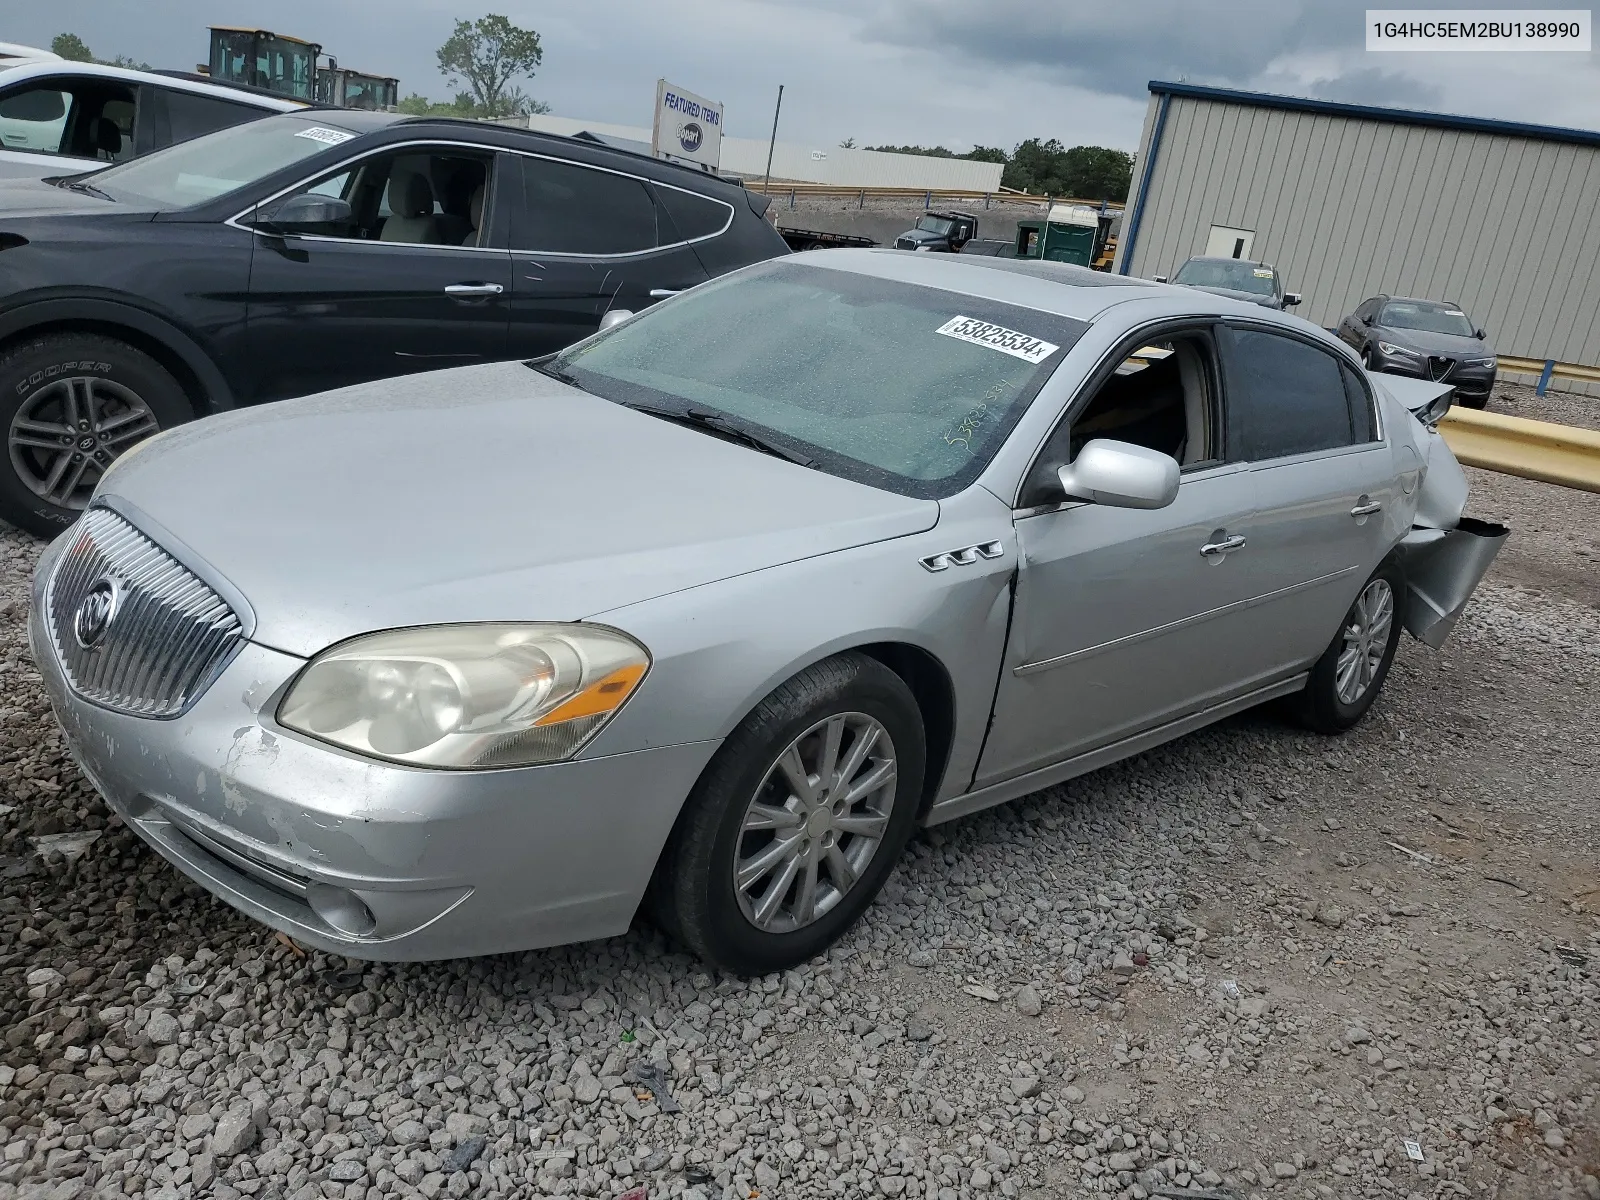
342	909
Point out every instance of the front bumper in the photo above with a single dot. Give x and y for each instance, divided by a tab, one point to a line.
1468	381
368	859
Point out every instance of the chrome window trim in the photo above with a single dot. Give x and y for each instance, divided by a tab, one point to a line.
236	220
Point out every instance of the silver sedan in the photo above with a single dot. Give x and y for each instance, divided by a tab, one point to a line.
705	614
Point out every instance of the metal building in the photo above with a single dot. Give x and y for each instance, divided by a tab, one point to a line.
1351	201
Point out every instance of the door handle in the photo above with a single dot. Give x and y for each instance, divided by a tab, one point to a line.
1226	546
663	293
469	291
1367	508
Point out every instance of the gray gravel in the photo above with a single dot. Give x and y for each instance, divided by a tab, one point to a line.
1252	963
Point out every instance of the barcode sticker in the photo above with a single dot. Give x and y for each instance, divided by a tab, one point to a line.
998	337
329	137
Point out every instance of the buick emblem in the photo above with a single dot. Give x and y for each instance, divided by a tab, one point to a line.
96	612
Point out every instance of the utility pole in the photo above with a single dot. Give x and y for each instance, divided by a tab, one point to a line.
773	144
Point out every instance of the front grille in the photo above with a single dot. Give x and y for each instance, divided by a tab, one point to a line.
164	636
1439	368
904	244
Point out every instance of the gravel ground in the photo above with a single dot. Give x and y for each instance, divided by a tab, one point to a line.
1253	963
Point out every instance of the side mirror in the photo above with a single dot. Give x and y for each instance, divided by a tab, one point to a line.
615	317
1480	335
305	209
1160	278
1365	320
1121	475
1290	299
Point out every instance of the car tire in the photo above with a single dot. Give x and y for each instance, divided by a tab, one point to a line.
1478	402
1366	359
1348	677
745	809
102	392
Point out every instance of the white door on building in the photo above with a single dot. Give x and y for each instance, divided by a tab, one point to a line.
1226	242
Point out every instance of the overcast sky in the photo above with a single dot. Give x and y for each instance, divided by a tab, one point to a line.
956	72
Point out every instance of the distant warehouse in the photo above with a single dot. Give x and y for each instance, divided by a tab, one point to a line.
1351	201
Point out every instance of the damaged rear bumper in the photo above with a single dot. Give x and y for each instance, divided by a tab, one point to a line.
1443	568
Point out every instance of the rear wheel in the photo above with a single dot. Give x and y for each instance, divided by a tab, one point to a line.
70	404
1351	672
798	820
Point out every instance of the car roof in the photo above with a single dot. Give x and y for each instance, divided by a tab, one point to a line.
1245	262
1419	300
55	68
1059	288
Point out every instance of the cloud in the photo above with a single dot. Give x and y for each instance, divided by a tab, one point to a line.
904	71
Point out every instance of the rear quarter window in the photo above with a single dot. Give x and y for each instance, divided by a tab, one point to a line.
693	216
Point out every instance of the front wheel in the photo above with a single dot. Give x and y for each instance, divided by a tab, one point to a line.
1351	672
798	820
70	404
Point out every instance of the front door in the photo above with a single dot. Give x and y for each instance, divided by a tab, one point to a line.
1121	621
1125	619
586	240
413	280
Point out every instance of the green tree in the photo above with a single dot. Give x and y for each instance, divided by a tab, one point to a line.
1083	172
848	144
925	151
70	46
485	56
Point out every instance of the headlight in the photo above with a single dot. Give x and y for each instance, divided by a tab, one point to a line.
1491	362
467	696
1391	348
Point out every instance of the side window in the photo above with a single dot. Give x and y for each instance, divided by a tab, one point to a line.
1363	417
415	196
568	209
180	116
1162	395
1285	397
1368	310
693	216
35	119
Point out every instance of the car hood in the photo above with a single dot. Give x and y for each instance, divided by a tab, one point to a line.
483	493
1426	342
920	237
1237	294
36	198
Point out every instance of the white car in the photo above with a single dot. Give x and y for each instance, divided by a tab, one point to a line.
60	118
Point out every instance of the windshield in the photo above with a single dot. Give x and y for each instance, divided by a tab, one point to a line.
939	225
1228	273
196	171
1426	315
906	388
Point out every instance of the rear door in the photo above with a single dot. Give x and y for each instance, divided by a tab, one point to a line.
405	284
1325	485
584	240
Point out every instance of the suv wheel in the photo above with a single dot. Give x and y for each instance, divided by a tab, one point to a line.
797	821
70	404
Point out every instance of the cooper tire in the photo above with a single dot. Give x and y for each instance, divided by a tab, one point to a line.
696	896
1327	704
69	404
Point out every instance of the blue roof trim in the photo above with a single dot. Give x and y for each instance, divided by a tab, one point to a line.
1369	112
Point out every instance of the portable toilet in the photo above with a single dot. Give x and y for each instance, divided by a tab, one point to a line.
1070	234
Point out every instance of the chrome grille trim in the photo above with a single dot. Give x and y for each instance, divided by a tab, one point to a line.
168	638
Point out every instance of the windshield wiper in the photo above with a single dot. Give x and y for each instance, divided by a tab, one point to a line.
87	188
720	426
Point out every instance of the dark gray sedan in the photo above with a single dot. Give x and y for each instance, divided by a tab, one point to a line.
1237	279
1427	339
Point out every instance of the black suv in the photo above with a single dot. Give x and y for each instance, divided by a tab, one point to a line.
309	251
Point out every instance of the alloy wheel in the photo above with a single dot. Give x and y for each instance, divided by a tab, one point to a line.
66	433
1366	639
815	823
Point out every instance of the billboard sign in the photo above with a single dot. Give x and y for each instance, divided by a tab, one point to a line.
687	128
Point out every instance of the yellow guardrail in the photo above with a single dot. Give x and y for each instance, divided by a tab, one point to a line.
1548	368
778	189
1539	450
